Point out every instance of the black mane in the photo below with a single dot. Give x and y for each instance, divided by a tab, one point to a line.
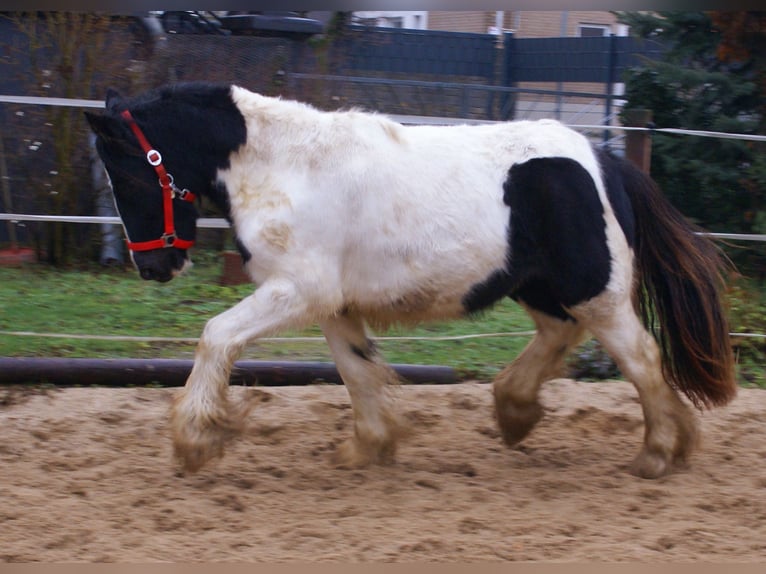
196	126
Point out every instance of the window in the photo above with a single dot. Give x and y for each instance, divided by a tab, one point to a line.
391	22
593	30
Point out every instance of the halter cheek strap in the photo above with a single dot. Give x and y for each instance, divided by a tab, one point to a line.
169	192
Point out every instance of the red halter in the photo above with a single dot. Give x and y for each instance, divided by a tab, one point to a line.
169	192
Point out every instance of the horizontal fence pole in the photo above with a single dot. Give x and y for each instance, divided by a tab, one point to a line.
207	222
737	236
45	101
174	372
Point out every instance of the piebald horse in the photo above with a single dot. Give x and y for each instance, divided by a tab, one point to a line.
347	219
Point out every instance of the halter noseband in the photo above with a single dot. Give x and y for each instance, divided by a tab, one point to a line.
169	192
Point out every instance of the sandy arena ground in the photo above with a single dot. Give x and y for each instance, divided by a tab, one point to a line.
87	475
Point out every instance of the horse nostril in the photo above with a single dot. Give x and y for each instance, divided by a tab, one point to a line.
146	273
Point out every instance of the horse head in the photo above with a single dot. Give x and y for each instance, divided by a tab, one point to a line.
161	150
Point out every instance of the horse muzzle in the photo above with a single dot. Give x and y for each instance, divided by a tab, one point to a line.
161	265
156	275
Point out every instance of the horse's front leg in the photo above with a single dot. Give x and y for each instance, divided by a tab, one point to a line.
369	380
202	419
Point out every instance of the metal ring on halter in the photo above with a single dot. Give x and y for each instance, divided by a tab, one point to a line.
169	239
153	153
171	183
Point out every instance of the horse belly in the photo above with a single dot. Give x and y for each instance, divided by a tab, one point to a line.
425	279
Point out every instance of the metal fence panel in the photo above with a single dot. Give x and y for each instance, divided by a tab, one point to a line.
395	50
575	59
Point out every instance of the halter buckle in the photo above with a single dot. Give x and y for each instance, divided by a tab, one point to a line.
180	193
154	157
168	239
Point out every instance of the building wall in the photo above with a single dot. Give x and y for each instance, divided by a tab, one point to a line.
548	24
523	23
452	21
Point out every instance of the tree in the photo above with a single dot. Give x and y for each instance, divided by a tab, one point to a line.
67	55
743	42
710	79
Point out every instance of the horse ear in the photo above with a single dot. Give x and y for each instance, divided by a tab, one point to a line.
112	98
102	125
113	131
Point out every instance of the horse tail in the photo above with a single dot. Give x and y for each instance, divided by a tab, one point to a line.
681	278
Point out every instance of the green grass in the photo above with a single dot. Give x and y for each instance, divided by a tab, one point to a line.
101	301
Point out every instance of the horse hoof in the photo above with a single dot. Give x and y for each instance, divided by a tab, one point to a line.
516	420
652	465
661	456
198	439
351	454
348	457
192	457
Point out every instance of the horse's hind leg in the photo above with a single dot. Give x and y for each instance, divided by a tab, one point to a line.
516	387
368	381
670	431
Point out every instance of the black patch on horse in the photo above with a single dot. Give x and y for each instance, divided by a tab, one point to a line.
557	253
368	352
615	190
488	292
244	252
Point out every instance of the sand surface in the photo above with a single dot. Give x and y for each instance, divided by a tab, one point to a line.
88	475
